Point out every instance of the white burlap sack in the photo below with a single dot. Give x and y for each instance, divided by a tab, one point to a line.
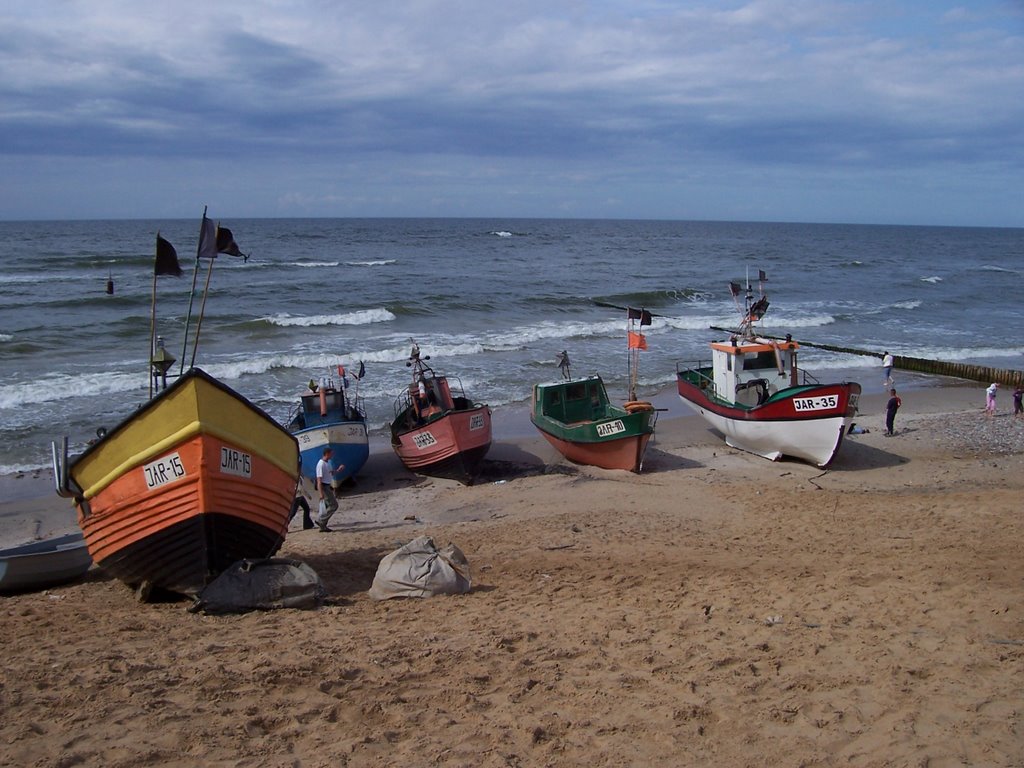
419	569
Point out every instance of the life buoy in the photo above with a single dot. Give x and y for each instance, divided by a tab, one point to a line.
634	406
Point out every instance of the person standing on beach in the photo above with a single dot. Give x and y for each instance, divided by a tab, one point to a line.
1018	408
990	399
890	411
887	369
325	486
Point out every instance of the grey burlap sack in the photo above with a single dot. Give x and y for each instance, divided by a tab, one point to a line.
419	569
275	582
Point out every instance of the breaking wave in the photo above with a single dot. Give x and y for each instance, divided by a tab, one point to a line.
362	317
371	263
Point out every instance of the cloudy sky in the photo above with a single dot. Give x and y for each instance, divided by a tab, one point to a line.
873	111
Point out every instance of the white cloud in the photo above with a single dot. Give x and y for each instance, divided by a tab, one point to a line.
311	98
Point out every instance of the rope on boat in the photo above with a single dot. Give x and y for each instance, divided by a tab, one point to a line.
1006	377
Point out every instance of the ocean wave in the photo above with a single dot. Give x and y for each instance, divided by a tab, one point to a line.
653	299
82	384
933	279
6	336
907	304
129	385
994	268
371	263
362	317
699	323
957	354
310	364
78	262
312	264
21	468
782	322
523	336
502	233
36	277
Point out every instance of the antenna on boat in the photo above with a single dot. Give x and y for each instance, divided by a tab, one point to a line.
159	364
564	365
207	247
192	294
213	239
415	361
754	310
165	263
636	341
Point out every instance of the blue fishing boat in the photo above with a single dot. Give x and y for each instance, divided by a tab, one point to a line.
329	414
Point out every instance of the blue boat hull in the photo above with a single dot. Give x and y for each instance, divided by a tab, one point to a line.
350	444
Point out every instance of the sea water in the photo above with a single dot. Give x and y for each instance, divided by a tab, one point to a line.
491	301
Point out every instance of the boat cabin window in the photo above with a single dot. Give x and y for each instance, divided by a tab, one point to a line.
335	402
576	391
760	361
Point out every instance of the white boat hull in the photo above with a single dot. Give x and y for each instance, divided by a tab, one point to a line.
813	440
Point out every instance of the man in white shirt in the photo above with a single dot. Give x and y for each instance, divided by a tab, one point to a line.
887	369
325	486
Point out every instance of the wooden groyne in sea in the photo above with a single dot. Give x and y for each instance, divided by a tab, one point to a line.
983	373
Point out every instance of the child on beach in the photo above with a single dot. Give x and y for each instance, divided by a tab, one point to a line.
990	399
1018	409
890	411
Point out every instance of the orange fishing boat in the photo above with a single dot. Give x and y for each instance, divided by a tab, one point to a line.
195	480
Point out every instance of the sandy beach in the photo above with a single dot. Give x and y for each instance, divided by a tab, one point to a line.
717	609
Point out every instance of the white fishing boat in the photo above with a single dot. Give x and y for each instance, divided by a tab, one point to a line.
754	393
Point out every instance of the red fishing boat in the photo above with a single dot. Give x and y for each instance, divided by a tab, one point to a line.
437	430
756	396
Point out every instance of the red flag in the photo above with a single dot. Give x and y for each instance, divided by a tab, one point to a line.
637	340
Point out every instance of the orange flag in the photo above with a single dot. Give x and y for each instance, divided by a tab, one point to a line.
637	340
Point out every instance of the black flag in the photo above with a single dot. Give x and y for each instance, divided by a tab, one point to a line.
639	314
226	243
166	259
214	239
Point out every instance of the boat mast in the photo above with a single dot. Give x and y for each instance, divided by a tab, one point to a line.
192	293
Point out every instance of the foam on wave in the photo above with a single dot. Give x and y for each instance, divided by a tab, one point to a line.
362	317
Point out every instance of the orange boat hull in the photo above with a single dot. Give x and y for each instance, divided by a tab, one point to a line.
181	534
194	481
